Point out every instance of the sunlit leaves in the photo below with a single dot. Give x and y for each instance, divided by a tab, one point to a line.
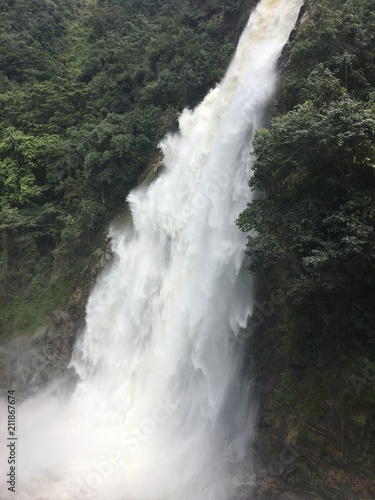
23	160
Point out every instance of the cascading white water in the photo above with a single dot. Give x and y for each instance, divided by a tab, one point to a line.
160	408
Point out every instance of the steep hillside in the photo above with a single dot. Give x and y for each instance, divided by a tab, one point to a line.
314	257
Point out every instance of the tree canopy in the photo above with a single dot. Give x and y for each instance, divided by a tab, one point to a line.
312	228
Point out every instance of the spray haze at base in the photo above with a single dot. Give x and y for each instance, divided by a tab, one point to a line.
160	410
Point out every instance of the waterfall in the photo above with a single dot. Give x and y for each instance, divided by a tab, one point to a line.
161	410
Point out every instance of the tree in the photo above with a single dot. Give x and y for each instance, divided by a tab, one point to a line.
23	163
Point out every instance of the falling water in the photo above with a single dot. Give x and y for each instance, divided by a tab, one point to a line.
160	411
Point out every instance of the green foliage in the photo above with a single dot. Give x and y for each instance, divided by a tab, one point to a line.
23	164
30	34
339	38
316	166
312	231
44	107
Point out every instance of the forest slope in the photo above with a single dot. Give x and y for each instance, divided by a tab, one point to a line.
314	252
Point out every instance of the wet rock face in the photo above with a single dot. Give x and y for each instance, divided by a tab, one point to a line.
29	362
288	467
303	17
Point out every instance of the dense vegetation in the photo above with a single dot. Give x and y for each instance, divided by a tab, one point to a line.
315	223
87	89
